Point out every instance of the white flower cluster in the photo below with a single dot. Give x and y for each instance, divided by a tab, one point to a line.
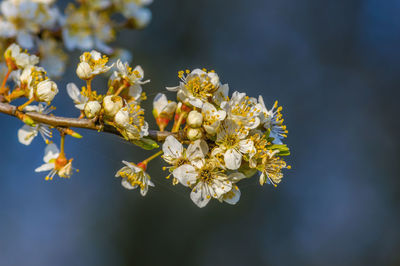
228	139
120	107
32	81
39	25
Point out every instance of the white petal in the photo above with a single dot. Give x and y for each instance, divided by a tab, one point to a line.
51	152
236	177
246	146
143	191
233	159
160	101
186	174
197	150
220	187
172	148
233	196
176	88
45	167
26	134
200	195
73	92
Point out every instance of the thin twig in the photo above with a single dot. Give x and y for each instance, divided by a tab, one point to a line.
58	121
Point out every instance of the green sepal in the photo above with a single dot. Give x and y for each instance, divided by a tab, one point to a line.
146	143
282	148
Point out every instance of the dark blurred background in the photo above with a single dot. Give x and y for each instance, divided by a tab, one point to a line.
333	65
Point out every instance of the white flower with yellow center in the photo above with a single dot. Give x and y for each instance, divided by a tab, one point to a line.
76	95
233	142
207	180
131	122
243	110
27	133
24	19
16	58
86	29
197	87
212	118
134	176
176	155
92	64
271	169
131	80
55	163
272	120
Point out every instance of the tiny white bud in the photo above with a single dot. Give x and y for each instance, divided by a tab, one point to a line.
122	118
112	104
92	109
46	90
194	134
194	119
84	71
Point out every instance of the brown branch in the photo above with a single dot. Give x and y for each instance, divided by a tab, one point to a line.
65	122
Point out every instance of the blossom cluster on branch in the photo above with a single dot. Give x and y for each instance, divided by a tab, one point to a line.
40	26
216	138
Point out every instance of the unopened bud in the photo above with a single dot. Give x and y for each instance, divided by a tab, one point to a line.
194	134
112	104
46	90
122	118
194	119
27	120
92	109
84	71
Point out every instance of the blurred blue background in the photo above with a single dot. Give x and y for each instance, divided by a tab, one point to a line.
333	65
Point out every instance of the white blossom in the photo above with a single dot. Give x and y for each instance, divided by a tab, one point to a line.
134	176
27	133
243	110
92	64
212	118
272	120
51	165
233	143
197	87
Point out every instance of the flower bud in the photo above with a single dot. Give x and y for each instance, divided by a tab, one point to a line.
46	90
112	104
194	119
194	134
122	118
92	109
84	71
163	110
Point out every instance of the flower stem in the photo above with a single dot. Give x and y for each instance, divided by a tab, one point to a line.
120	89
3	84
177	125
21	107
89	88
62	143
152	157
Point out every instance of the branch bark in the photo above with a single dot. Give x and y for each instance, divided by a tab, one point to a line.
65	122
